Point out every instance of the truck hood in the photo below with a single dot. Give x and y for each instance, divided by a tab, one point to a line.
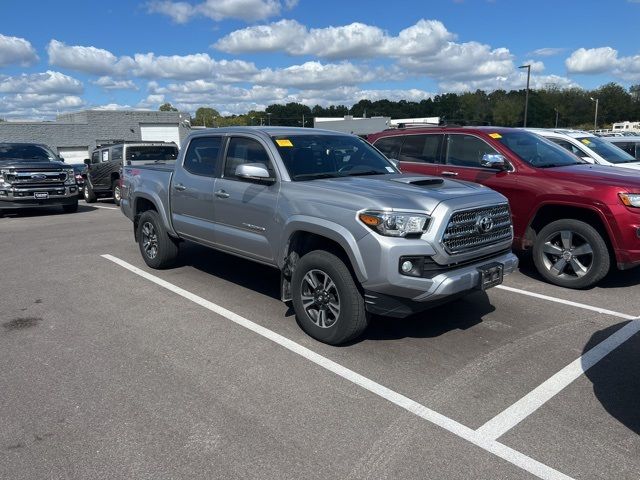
589	174
397	191
26	164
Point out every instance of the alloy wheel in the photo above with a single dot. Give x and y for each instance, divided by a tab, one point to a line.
567	254
320	298
149	240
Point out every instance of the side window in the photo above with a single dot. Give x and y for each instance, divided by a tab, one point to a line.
390	146
466	150
116	153
421	148
245	150
203	155
95	157
569	146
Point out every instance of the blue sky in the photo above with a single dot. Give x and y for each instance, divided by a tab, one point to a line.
238	55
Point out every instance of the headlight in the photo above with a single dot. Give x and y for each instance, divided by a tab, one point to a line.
395	224
71	177
630	199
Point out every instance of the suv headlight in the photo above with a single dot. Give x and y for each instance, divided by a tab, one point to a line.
71	177
630	199
395	224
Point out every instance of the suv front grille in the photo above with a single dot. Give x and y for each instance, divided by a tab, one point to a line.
476	228
36	176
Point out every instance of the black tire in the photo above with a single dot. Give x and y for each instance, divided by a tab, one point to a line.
115	188
158	249
556	257
351	319
71	208
89	195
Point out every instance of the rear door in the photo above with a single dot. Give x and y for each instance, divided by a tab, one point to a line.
421	153
245	210
192	186
98	169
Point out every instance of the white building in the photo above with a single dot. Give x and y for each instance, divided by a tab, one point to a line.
626	126
351	124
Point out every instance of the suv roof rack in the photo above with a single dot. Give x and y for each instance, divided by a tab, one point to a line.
110	143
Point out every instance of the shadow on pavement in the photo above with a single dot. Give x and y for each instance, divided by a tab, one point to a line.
616	378
43	212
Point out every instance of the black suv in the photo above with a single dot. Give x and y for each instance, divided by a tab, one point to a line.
105	165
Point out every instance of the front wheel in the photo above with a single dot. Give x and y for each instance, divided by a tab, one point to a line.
115	188
89	195
328	305
158	249
571	253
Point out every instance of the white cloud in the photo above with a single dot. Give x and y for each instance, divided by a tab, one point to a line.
218	10
547	52
592	60
536	66
15	50
109	83
112	106
315	75
40	83
91	60
38	106
356	40
516	80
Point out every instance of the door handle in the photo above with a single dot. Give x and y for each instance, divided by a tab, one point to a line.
180	187
450	174
221	194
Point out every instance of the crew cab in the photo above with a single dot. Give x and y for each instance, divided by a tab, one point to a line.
32	176
349	233
102	178
578	218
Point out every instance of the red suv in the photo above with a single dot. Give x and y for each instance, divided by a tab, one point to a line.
578	218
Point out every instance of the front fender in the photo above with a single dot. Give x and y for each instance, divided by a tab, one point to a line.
330	230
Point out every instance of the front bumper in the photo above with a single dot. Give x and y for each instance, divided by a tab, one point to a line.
404	295
27	197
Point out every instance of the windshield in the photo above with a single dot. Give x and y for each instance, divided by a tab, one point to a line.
25	152
325	156
148	153
537	151
606	150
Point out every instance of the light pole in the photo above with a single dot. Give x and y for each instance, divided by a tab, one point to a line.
526	98
269	115
556	109
595	119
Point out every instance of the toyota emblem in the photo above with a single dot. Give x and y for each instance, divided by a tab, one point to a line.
484	224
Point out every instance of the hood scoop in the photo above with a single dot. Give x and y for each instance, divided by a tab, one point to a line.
420	181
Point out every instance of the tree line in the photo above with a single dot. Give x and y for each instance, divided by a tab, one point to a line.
548	107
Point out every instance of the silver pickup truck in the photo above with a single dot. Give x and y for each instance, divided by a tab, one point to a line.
349	233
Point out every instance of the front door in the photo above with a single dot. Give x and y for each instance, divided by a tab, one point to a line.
99	172
192	201
245	210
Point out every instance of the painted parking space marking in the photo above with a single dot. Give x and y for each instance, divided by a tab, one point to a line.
476	438
105	208
567	302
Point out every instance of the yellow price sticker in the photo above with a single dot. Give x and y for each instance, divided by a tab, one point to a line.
495	135
586	141
284	142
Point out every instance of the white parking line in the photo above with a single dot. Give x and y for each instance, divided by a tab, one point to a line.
512	416
490	445
106	208
567	302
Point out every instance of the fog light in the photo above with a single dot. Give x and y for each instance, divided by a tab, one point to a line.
407	266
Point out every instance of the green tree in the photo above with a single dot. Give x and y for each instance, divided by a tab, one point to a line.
167	107
206	116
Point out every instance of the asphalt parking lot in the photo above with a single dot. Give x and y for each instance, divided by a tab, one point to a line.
112	370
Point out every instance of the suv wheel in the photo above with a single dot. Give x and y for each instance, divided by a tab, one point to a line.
89	196
571	253
158	249
115	188
328	305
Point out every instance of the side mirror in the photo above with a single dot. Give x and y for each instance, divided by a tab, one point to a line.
396	162
256	172
87	161
495	161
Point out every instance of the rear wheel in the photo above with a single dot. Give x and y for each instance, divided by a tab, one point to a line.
89	195
571	253
115	188
158	249
328	305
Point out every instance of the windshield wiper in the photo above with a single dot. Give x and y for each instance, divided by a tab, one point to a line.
313	176
366	172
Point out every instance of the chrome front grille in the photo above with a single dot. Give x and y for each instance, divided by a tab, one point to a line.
476	228
35	177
